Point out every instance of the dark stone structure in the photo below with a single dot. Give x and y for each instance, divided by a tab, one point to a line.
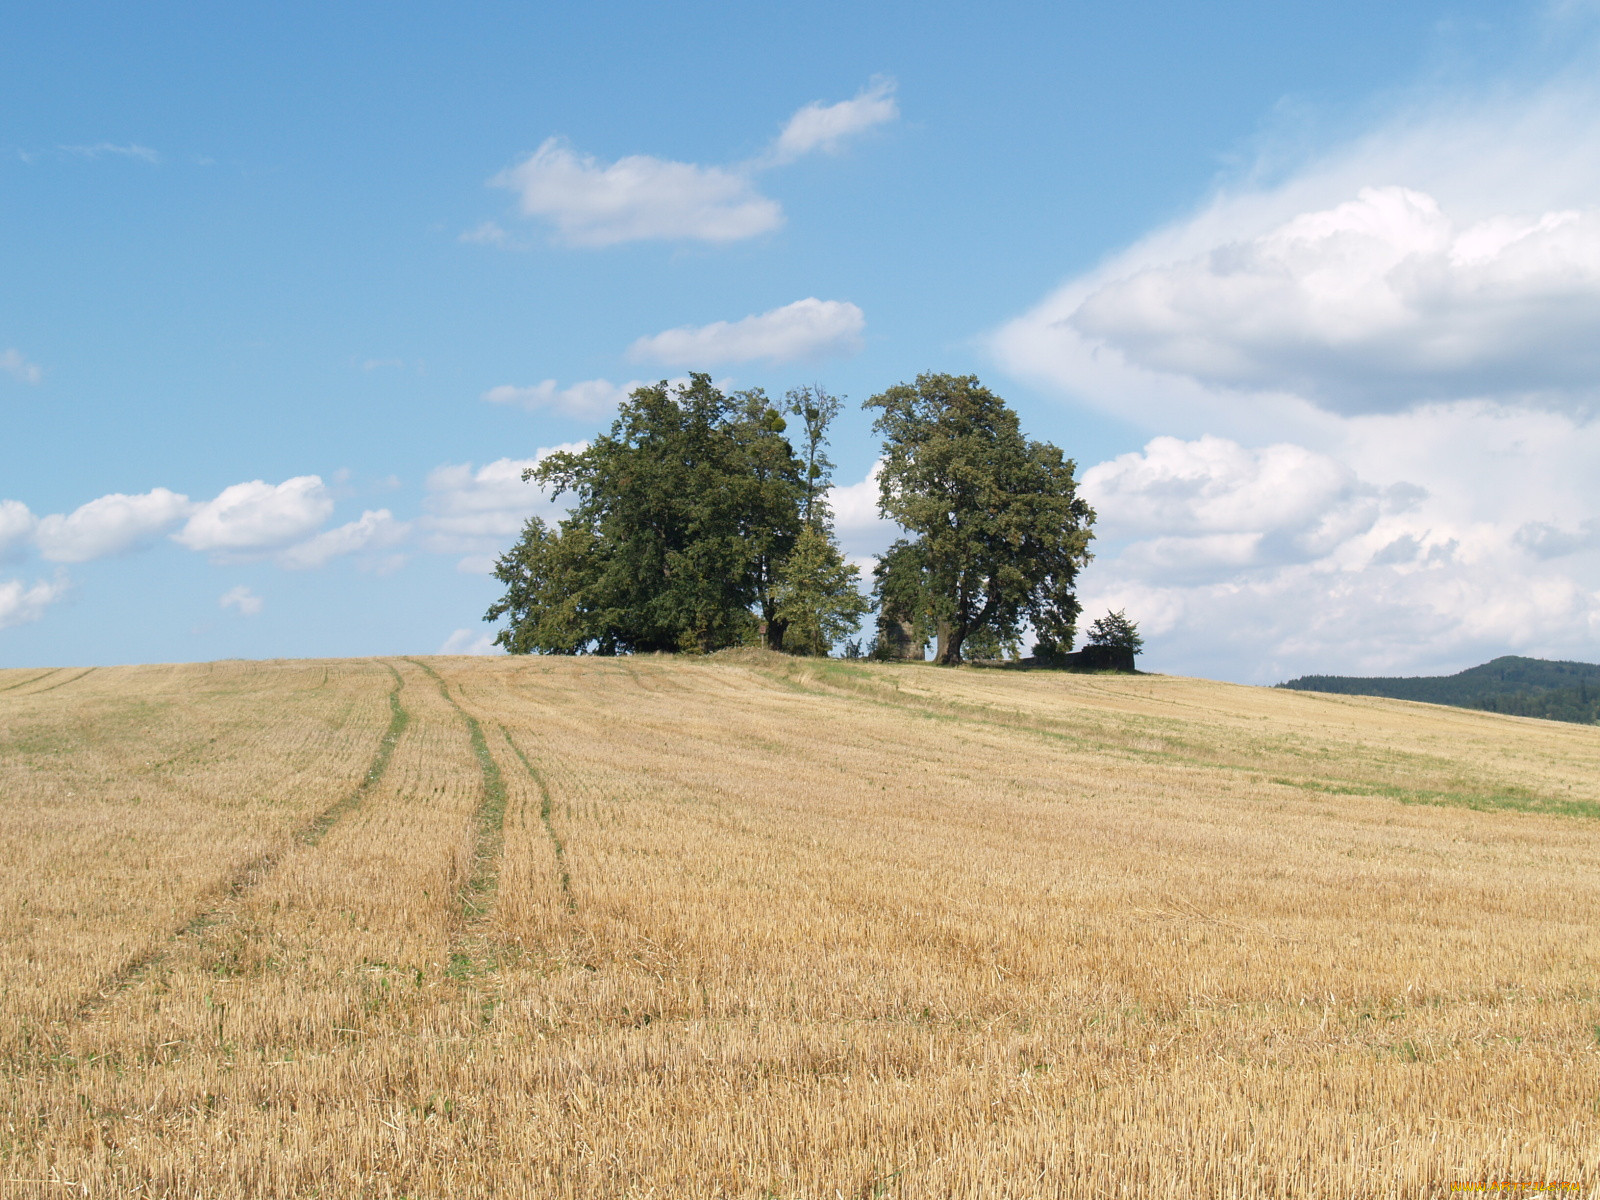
1100	658
897	638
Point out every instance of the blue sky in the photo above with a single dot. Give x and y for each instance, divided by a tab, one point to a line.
290	293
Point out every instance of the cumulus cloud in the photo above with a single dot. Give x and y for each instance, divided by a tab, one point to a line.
1377	378
376	530
257	517
1214	501
21	603
860	527
1276	561
241	598
825	127
587	399
478	512
641	197
1545	539
16	527
591	203
19	368
805	330
111	524
1378	303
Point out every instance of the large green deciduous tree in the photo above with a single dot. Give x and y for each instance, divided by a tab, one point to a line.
998	532
682	517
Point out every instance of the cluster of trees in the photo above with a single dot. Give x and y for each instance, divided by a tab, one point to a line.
700	521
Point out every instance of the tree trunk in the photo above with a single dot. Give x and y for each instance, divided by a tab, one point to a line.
773	631
948	653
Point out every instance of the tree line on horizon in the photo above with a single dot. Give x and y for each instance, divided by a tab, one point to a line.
1516	686
701	521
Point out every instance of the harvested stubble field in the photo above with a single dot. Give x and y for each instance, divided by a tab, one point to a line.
752	927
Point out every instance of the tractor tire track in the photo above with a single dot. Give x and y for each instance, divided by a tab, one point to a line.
564	875
251	875
62	682
477	893
11	687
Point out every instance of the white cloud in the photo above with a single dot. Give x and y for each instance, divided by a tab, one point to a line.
241	598
485	233
16	527
1377	377
376	530
638	197
19	368
860	528
470	641
825	127
1450	254
256	517
641	197
112	524
1268	563
807	329
589	398
101	149
479	512
20	604
1214	501
1373	305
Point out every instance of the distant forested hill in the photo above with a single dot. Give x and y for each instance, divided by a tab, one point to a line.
1524	687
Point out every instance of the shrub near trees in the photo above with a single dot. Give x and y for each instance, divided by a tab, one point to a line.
697	524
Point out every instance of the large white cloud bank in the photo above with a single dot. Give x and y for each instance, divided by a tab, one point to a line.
1373	305
1373	392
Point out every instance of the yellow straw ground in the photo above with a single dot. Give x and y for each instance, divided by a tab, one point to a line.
751	926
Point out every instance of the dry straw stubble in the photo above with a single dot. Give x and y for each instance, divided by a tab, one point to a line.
763	927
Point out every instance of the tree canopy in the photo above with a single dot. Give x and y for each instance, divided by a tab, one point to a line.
998	532
694	526
1115	631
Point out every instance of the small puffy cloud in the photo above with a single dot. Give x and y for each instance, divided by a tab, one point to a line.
241	598
257	517
1373	305
589	398
591	203
805	330
470	641
112	524
376	530
21	603
825	127
641	197
16	527
19	368
478	512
